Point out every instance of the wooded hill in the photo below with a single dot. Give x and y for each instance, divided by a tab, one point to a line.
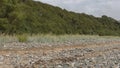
28	16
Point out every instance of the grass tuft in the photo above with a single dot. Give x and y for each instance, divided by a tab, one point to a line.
22	38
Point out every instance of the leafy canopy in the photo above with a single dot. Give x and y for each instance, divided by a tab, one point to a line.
28	16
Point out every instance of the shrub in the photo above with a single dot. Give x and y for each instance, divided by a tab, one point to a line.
22	38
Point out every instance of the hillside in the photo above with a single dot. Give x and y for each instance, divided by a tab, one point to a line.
28	16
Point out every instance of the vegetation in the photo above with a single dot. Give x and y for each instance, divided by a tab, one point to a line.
28	16
54	39
22	38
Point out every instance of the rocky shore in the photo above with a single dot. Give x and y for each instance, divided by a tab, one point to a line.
87	54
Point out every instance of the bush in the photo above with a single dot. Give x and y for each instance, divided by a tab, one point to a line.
22	38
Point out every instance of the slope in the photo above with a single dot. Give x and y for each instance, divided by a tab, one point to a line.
28	16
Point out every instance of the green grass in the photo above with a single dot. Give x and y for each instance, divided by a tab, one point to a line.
22	38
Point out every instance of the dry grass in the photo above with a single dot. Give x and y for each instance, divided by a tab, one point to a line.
53	39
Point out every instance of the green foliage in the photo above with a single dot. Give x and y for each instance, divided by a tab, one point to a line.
28	16
22	38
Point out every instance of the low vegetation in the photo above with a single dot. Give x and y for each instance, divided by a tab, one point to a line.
22	38
53	39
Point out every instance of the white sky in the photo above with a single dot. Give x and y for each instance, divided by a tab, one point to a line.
94	7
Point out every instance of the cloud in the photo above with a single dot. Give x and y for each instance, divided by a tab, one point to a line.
72	1
94	7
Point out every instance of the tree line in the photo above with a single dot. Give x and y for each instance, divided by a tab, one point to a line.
32	17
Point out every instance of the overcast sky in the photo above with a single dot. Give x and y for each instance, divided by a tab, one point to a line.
94	7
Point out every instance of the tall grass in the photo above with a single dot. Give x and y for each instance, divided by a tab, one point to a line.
53	39
7	39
